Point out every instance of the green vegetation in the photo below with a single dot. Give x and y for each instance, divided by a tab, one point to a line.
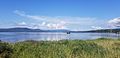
99	48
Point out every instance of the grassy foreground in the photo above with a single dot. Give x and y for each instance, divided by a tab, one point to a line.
99	48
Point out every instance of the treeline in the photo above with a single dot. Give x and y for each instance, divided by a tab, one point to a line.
105	31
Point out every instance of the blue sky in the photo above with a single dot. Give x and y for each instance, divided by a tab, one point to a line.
60	14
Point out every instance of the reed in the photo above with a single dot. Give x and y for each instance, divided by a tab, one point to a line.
100	48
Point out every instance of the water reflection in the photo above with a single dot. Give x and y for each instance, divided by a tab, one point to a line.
22	36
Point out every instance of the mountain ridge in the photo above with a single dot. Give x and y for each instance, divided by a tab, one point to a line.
58	30
30	30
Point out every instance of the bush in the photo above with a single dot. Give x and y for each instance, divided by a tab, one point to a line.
5	51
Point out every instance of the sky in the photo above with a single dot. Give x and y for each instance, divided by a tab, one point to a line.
60	14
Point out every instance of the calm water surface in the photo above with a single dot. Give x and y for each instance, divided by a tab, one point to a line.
22	36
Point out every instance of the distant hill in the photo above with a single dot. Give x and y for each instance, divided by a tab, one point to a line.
30	30
99	31
105	31
58	30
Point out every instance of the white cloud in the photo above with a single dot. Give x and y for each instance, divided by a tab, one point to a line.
61	22
55	26
50	22
43	23
114	22
96	27
60	25
54	19
22	13
22	23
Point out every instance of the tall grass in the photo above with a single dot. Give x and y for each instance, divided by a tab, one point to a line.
100	48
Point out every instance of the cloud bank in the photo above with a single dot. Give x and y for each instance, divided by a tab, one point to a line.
114	22
96	27
49	22
61	22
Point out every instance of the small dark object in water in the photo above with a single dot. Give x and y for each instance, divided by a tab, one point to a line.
68	32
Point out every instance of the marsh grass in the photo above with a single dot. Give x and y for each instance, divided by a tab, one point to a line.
99	48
